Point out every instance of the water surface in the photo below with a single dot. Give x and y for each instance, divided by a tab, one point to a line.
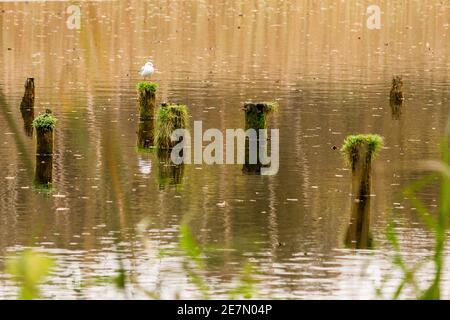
331	77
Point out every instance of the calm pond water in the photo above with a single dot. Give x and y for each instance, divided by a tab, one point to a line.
331	77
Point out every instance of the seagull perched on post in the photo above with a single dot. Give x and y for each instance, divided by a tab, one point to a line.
147	70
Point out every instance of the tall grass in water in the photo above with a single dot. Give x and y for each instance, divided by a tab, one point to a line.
193	265
29	269
436	223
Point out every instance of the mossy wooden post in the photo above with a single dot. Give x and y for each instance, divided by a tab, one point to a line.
170	117
359	151
44	125
27	107
147	106
256	115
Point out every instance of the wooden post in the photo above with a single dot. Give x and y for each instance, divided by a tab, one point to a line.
360	150
255	118
147	107
170	117
44	125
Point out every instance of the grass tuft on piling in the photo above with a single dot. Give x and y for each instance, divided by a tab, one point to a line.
272	106
44	122
147	87
169	118
352	144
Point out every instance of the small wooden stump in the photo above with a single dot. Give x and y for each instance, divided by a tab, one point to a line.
359	151
44	125
147	107
170	117
256	115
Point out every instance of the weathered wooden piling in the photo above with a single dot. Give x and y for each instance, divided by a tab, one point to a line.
396	95
44	125
256	115
170	117
359	151
147	100
28	97
147	107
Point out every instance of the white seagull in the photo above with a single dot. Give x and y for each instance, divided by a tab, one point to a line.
147	70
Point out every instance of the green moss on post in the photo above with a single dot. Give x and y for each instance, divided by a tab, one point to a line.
147	106
147	100
44	125
359	152
169	118
256	115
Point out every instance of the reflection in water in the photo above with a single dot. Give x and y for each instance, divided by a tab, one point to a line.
146	134
27	107
396	109
145	166
43	175
169	174
27	117
358	233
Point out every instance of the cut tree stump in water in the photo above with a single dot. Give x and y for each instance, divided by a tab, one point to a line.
44	125
256	115
360	150
147	107
170	117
